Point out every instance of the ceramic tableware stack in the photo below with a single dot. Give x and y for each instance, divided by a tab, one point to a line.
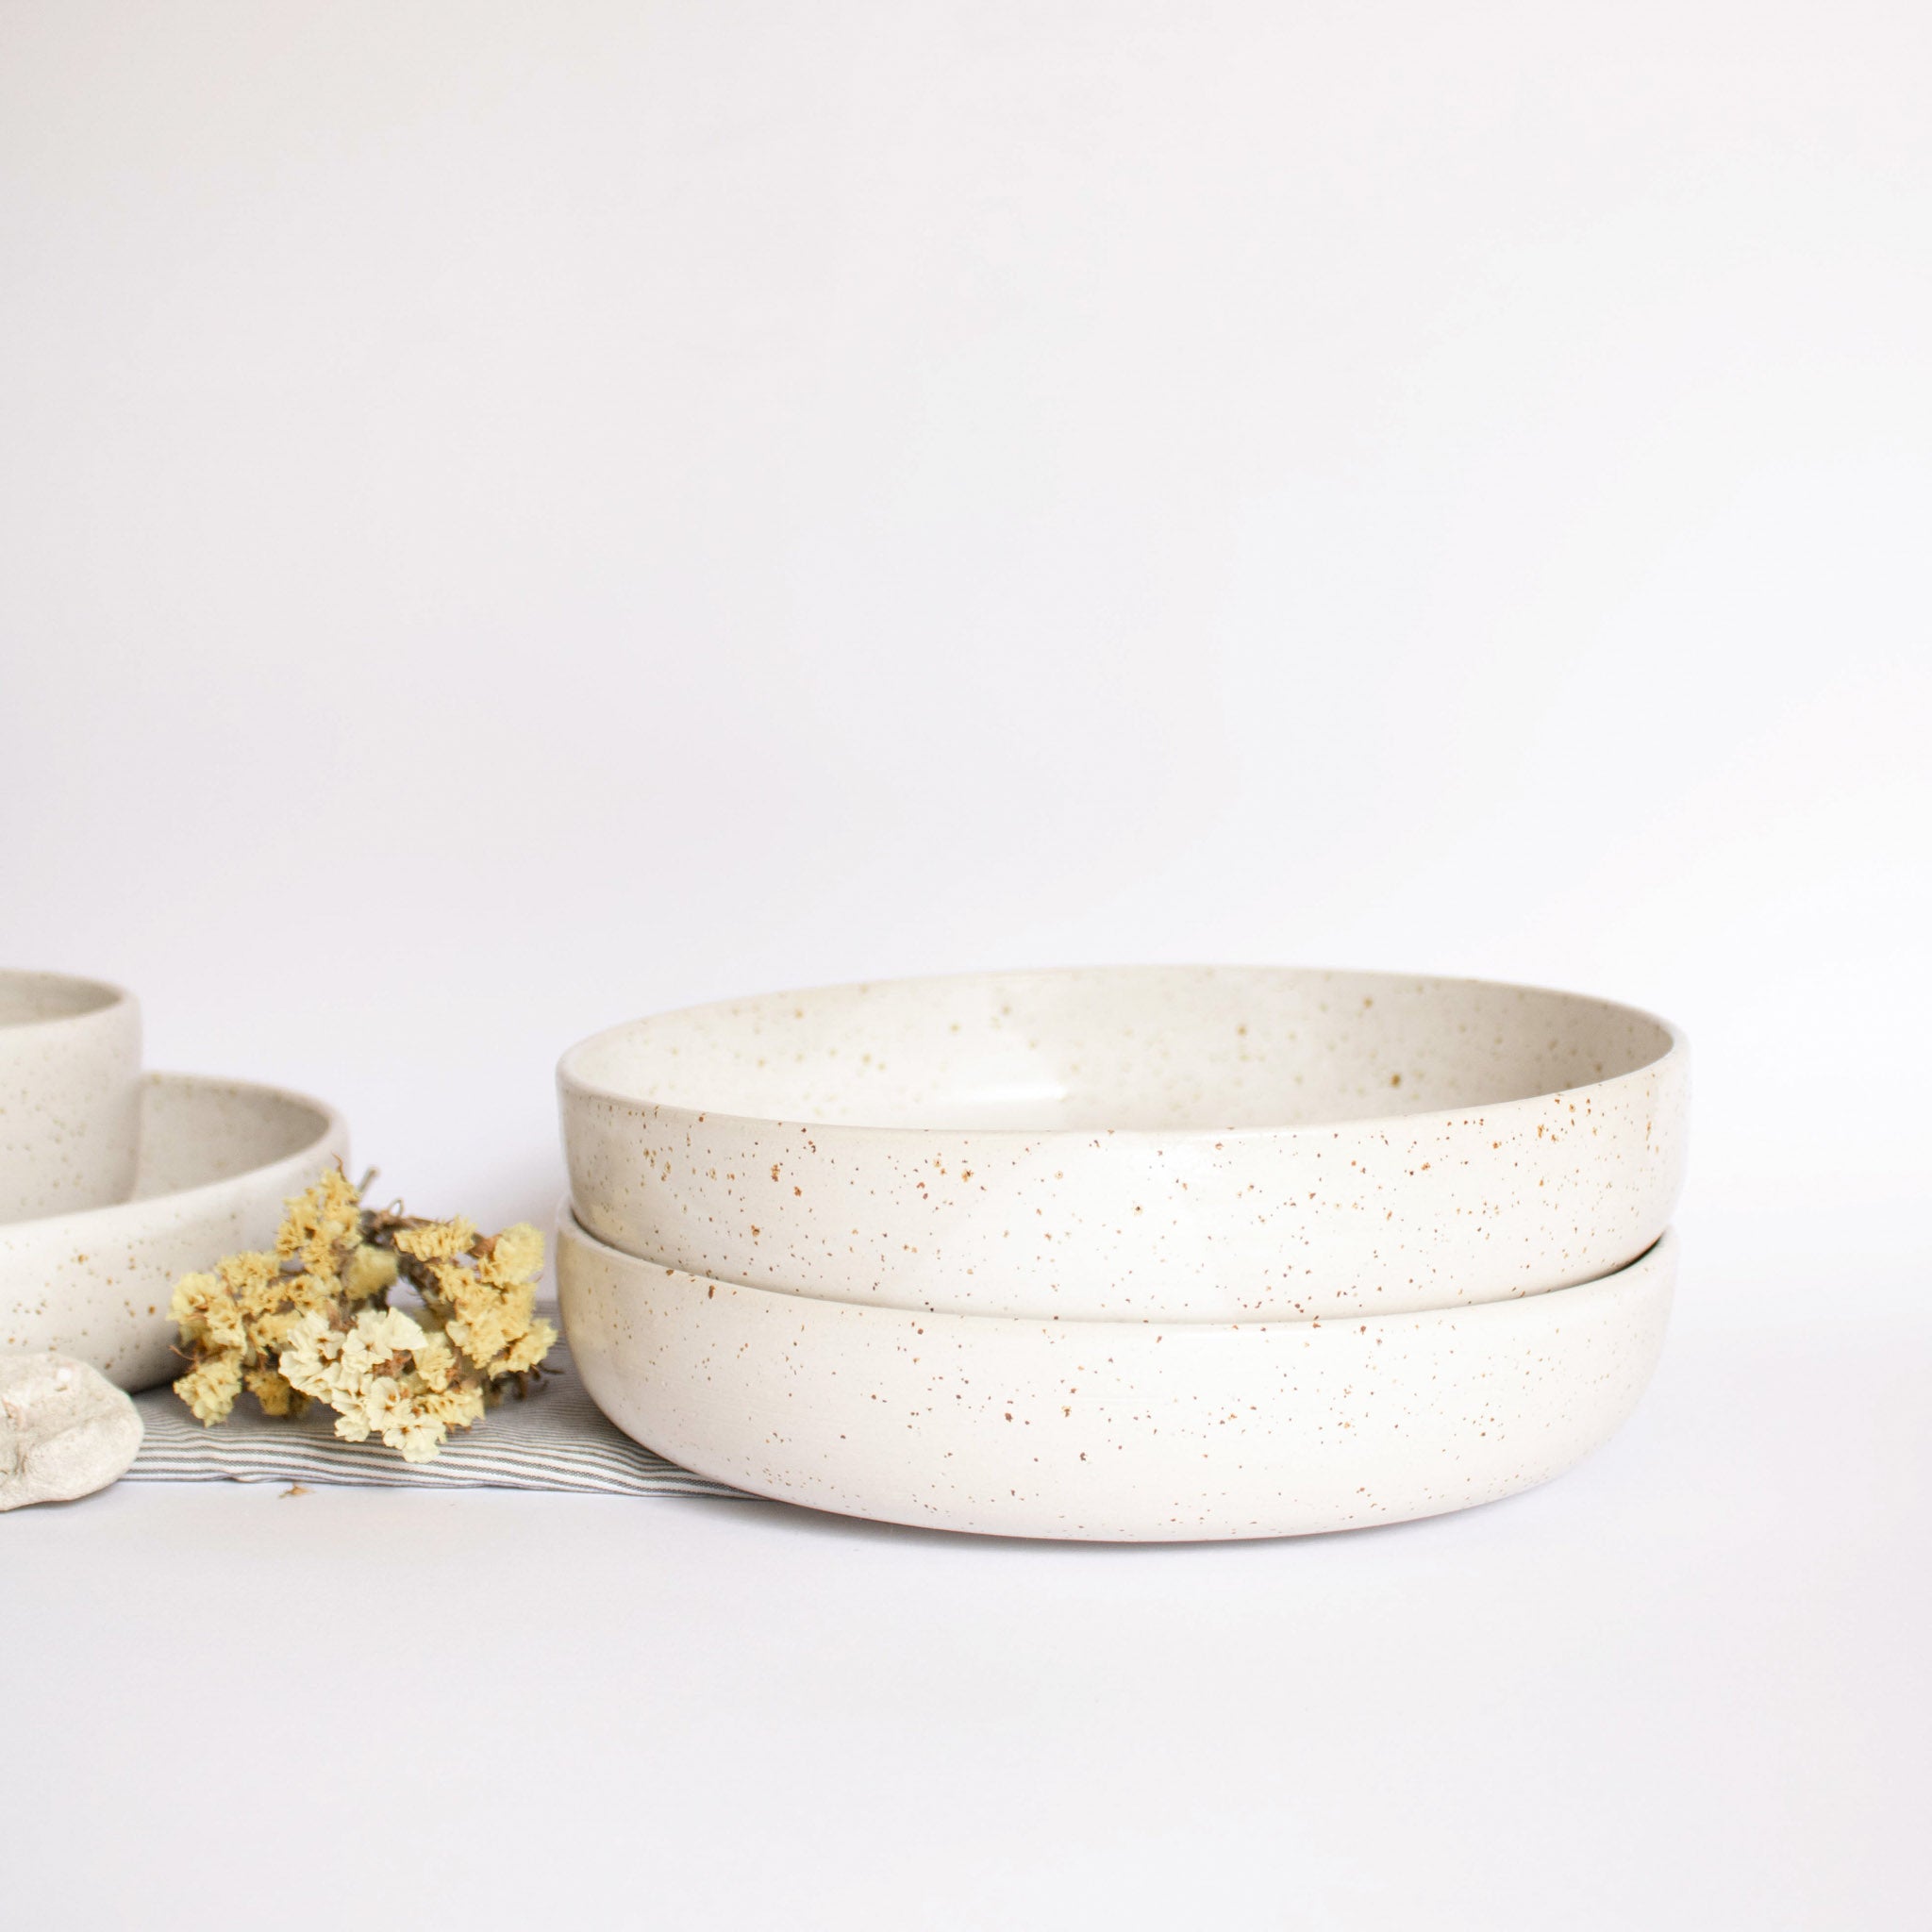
113	1183
1126	1254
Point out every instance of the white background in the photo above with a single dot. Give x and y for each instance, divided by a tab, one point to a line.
513	516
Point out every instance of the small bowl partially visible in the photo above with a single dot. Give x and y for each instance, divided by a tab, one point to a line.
1161	1143
69	1095
1109	1431
218	1160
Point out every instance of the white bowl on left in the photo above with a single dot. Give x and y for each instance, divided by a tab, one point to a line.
218	1158
69	1095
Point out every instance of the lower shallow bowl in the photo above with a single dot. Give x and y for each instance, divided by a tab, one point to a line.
1109	1431
218	1158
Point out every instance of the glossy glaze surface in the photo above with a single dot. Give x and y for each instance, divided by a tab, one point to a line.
1102	1430
1202	1143
218	1160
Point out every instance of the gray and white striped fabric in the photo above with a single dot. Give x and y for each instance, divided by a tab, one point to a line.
555	1439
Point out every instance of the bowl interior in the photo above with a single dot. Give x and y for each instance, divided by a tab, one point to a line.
197	1131
1126	1048
30	999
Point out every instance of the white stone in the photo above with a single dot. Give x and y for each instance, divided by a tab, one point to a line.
65	1430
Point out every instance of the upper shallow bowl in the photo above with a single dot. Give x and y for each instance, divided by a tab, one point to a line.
1117	1431
69	1095
1171	1142
218	1158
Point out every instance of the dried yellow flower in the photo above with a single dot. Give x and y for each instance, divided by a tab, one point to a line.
323	1225
274	1392
527	1351
380	1333
437	1240
309	1346
352	1425
485	1320
252	1279
389	1408
369	1271
516	1255
436	1360
312	1320
206	1312
210	1386
304	1290
455	1408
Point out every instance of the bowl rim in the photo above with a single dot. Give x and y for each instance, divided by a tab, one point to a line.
114	996
329	1125
572	1084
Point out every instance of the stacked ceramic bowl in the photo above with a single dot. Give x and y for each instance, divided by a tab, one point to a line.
114	1183
1130	1254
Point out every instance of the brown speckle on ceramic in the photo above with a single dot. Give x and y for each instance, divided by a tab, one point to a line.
218	1160
1109	1430
1172	1143
69	1095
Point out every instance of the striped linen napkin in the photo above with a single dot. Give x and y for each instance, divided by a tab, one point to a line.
553	1439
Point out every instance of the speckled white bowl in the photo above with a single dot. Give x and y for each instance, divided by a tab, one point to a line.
1198	1144
69	1095
218	1158
1114	1431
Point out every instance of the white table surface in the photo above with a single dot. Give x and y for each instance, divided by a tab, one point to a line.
1685	1685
